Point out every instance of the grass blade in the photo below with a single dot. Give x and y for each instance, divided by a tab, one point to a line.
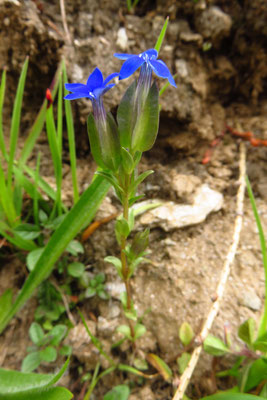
263	324
39	121
15	239
14	132
56	157
162	35
82	213
2	96
71	138
7	205
59	117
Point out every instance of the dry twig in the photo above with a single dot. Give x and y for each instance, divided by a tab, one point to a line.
186	376
64	21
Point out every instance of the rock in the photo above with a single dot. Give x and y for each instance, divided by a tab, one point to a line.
144	394
122	39
250	300
185	186
213	24
172	216
115	289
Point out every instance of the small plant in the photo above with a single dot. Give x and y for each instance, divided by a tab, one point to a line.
45	346
131	4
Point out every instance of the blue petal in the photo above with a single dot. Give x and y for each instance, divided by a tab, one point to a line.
111	76
171	80
160	68
95	80
73	96
130	66
101	91
123	56
73	87
151	53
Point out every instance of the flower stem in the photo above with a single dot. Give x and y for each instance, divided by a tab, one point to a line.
125	269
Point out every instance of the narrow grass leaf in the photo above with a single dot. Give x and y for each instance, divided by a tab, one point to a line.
2	96
263	324
82	213
232	396
14	382
12	237
15	122
7	205
71	138
162	35
40	120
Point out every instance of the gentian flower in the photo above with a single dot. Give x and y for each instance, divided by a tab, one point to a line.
148	63
95	86
102	132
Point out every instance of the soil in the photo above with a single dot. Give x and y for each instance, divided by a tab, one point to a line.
216	48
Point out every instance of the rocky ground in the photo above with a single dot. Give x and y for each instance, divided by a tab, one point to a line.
216	48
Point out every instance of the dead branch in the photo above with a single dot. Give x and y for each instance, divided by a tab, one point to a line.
186	376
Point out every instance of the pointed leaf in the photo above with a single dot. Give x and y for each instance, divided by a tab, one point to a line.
160	366
183	362
215	346
146	128
162	35
126	116
186	333
246	331
120	392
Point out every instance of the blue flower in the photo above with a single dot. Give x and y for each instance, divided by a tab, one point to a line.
95	86
149	60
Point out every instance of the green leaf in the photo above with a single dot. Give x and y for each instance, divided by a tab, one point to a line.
263	324
160	366
38	124
15	122
263	392
65	350
232	396
120	392
33	257
55	393
126	116
257	372
125	331
186	333
90	292
28	231
36	333
57	334
140	364
76	269
162	35
79	216
2	96
71	138
5	303
141	178
127	161
147	125
94	141
31	362
122	228
74	247
12	382
43	217
100	278
215	346
49	354
102	294
139	330
246	331
116	262
14	238
183	362
261	343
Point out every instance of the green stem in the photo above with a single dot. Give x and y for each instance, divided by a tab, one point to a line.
125	269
